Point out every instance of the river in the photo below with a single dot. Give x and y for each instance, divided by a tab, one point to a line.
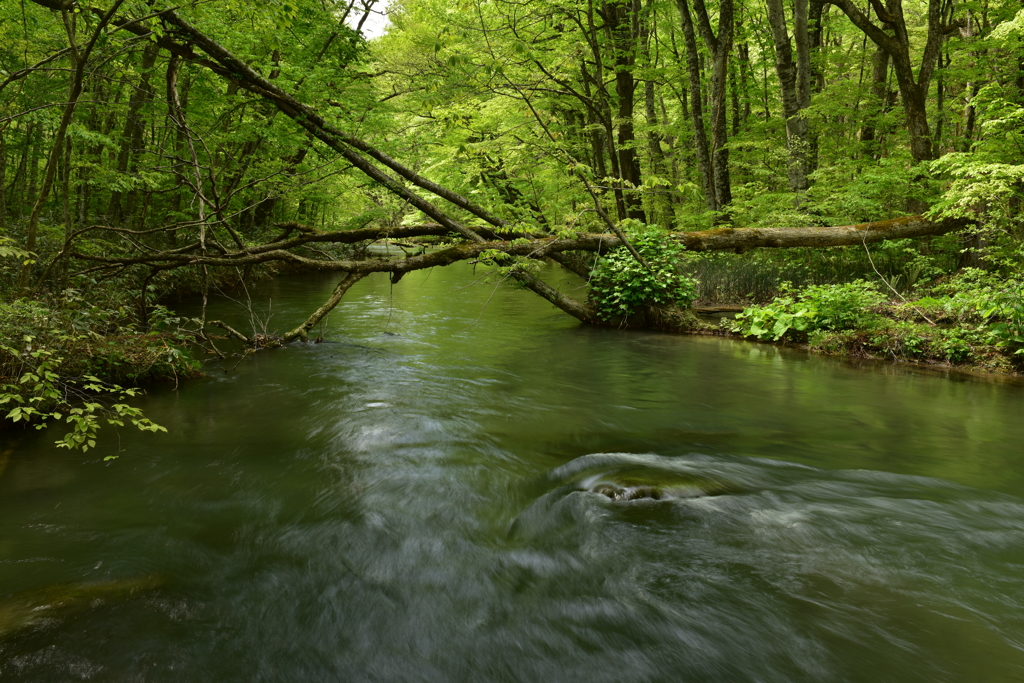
428	496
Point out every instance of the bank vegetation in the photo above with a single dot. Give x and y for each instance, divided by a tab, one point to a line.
849	176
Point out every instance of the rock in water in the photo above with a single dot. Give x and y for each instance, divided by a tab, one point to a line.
29	608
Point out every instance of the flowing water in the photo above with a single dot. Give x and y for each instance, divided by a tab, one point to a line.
462	484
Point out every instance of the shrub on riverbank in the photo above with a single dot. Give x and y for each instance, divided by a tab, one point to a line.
974	319
66	362
620	286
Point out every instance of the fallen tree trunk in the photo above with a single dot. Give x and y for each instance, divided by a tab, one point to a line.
281	250
741	239
721	239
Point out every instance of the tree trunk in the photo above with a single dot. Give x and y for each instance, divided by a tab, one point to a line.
623	19
940	111
133	137
720	47
879	103
700	136
3	180
79	58
795	91
894	39
661	206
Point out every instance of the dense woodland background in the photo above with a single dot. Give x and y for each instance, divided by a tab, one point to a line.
681	114
147	152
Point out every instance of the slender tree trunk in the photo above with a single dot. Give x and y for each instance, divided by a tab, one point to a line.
970	117
661	206
720	46
624	23
734	99
795	91
80	56
596	138
880	102
940	109
19	184
700	136
35	152
603	107
743	50
3	180
133	137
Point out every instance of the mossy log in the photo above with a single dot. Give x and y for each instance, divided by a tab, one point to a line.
741	239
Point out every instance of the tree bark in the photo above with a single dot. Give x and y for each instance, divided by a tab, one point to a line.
700	136
896	42
794	84
880	102
720	47
623	19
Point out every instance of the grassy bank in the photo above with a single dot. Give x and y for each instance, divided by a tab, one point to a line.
973	320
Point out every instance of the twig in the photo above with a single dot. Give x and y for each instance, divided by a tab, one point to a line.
882	278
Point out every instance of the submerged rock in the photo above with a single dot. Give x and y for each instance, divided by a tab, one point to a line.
632	490
33	607
628	492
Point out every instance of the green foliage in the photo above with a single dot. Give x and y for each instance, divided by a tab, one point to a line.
818	307
68	360
859	191
1005	314
987	184
40	394
974	318
980	301
620	285
9	251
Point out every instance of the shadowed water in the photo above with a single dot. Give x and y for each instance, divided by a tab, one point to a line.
453	492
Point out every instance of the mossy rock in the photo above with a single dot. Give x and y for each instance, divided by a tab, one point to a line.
33	607
653	485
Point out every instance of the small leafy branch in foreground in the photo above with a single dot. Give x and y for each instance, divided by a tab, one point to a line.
619	285
66	362
41	395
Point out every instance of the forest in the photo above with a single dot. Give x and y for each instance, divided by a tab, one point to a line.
844	176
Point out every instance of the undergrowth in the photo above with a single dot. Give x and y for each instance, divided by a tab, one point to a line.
66	361
972	319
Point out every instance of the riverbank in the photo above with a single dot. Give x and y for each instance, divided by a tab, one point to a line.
76	362
971	321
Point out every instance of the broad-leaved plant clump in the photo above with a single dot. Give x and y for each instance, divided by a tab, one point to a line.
620	285
818	307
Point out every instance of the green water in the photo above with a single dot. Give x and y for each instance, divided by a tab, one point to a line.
420	500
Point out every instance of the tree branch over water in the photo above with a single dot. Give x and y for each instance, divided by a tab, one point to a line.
452	212
722	239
